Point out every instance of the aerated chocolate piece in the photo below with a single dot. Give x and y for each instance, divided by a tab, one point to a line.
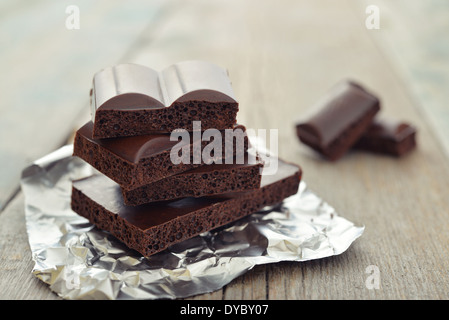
388	137
139	160
130	99
206	180
343	115
150	228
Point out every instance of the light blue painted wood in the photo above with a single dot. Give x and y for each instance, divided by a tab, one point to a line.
47	71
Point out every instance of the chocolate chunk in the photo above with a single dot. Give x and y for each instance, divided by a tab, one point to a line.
342	117
130	99
388	137
140	160
152	227
206	180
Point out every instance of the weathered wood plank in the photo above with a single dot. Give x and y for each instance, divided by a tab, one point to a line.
16	279
250	286
280	62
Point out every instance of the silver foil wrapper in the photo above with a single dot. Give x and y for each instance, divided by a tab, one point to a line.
79	261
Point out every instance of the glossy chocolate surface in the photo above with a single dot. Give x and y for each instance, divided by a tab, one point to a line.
133	86
135	148
342	107
130	148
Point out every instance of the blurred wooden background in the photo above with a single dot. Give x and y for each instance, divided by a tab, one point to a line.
281	57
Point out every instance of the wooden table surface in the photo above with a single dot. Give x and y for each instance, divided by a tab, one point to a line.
281	56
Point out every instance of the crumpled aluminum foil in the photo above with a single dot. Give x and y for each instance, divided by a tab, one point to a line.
78	261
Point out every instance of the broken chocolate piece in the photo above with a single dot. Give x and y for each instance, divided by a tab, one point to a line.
150	228
343	115
388	137
140	160
130	99
206	180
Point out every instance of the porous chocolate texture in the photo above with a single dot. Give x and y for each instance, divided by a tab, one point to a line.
389	137
139	160
131	99
206	180
342	116
151	228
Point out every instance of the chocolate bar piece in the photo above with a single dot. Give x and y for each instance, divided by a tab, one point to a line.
206	180
131	99
150	228
388	137
343	115
139	160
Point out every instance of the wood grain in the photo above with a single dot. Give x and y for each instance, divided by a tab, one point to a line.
16	265
281	59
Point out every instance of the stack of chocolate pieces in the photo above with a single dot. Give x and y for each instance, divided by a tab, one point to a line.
153	190
347	118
